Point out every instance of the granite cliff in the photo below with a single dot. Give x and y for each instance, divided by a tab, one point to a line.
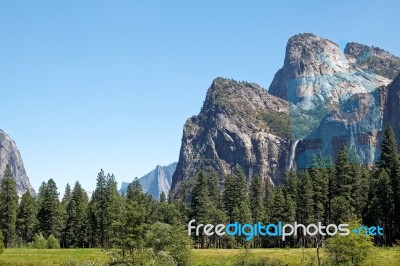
156	181
392	108
240	124
322	98
9	154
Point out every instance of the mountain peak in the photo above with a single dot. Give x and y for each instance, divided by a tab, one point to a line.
233	128
309	39
156	181
232	96
315	69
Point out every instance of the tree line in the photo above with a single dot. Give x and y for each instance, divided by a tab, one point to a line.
107	220
329	192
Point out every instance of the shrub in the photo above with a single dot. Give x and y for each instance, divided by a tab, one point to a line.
172	240
349	250
39	242
52	242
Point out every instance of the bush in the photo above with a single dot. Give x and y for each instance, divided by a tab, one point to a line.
170	239
349	250
52	242
39	242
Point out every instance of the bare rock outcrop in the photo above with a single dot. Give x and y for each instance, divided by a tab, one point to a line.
9	154
240	124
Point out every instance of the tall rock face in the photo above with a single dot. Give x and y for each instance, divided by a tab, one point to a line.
157	181
392	108
9	154
316	71
240	124
334	98
320	100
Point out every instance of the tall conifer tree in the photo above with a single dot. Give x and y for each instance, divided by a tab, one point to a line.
8	206
26	218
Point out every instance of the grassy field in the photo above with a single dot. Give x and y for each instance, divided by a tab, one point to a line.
295	257
210	257
39	257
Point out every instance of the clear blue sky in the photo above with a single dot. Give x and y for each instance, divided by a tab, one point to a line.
109	84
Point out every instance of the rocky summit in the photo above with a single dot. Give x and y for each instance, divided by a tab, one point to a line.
9	154
321	99
240	124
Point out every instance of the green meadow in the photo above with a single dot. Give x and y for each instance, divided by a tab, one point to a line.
42	257
205	257
289	256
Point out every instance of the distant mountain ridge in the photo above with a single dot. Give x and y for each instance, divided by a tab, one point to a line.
156	181
9	154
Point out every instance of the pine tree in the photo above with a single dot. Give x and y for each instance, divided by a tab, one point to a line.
241	185
306	199
200	199
135	216
340	203
389	159
229	196
63	209
256	199
343	179
244	217
390	162
359	183
166	213
97	211
201	204
214	189
114	208
384	195
67	195
8	206
135	192
235	193
290	191
372	212
26	218
268	189
163	197
341	210
50	211
76	224
276	210
320	180
277	205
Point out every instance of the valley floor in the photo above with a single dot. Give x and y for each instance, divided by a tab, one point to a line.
45	257
289	256
210	257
